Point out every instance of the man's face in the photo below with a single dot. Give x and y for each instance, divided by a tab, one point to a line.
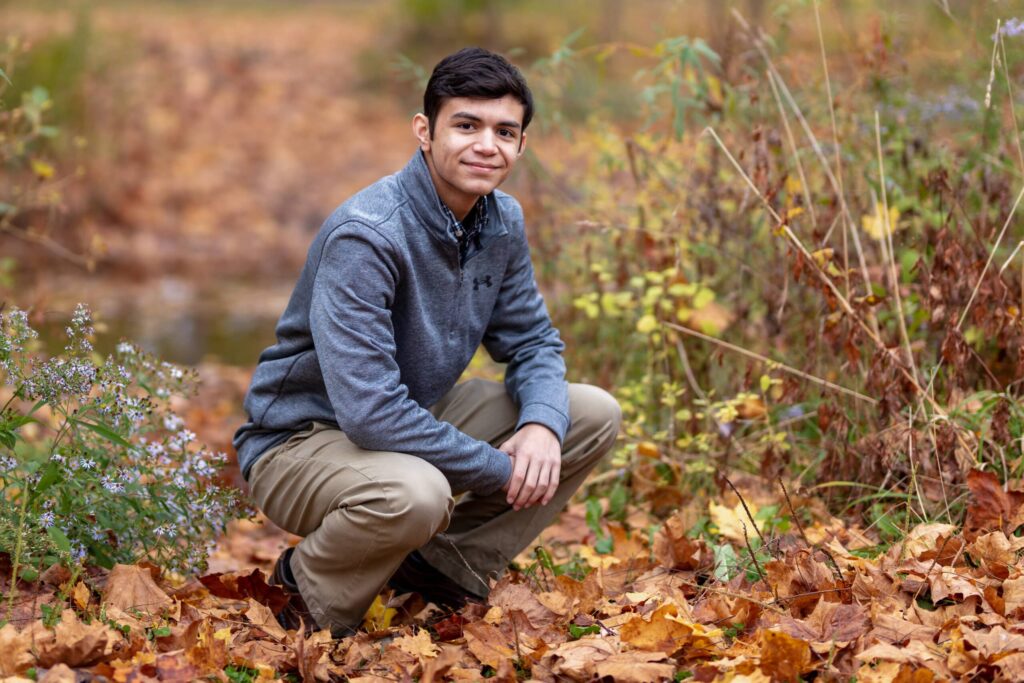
474	147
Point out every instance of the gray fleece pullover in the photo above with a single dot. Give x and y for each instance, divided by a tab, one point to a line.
384	319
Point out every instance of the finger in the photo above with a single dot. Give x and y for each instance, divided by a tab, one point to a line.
543	484
553	481
519	466
526	493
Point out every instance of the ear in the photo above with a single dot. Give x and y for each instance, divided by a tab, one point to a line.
522	145
421	129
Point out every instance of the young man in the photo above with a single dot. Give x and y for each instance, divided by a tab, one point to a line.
358	435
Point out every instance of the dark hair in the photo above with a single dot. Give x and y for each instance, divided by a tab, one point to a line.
477	73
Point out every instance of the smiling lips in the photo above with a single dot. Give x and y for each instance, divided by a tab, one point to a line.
482	168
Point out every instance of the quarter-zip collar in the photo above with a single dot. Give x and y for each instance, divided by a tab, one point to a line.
418	185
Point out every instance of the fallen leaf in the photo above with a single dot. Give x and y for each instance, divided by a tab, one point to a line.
488	644
991	508
830	626
636	667
996	641
509	595
60	673
784	657
674	549
260	615
72	642
80	595
732	523
15	655
925	537
131	588
577	659
239	586
664	630
995	551
1013	596
418	645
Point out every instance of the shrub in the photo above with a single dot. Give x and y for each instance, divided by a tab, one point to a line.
95	466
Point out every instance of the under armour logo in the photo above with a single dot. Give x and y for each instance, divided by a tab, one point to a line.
477	282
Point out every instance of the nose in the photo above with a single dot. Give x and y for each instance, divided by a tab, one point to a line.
486	142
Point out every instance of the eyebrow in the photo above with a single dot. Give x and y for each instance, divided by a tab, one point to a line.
474	117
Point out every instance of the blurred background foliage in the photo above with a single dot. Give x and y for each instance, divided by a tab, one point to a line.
196	146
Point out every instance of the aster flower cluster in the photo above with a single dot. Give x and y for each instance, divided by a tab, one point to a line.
112	474
1012	28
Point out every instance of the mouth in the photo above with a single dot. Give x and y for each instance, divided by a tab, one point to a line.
481	168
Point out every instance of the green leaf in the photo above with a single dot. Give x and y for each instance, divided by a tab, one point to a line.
617	500
604	545
726	561
577	632
104	431
3	75
59	539
7	438
594	514
51	475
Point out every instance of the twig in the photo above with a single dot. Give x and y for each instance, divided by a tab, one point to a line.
835	141
889	253
833	565
782	366
688	371
764	543
753	556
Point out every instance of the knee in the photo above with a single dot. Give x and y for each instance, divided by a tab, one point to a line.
420	507
595	413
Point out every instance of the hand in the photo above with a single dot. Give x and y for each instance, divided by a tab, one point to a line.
536	466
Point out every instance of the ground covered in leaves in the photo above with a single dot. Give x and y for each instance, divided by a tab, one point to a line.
944	604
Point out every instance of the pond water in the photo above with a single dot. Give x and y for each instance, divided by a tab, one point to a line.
177	320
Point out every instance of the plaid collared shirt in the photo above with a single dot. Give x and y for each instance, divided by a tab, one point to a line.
466	236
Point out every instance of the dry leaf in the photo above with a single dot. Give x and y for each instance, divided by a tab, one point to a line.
61	673
784	657
15	655
488	644
72	642
577	659
132	589
418	645
731	522
260	615
664	630
636	667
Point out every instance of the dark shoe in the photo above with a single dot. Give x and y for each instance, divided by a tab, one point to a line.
294	616
416	575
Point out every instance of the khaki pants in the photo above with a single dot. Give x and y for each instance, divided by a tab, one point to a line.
361	512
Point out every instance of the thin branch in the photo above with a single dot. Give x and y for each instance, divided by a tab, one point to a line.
774	363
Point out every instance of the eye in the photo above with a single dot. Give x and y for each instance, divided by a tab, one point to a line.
508	133
464	125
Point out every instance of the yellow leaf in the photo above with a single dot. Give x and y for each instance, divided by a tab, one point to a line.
647	324
596	561
793	185
823	256
648	449
42	169
418	645
874	225
731	521
794	212
378	617
223	634
81	595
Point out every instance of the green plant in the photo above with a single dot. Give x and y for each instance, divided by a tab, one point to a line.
95	466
